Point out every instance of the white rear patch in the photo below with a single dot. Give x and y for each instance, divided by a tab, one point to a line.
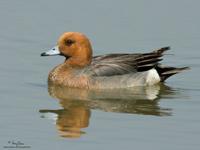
152	77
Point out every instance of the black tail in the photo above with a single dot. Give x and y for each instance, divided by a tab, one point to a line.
165	72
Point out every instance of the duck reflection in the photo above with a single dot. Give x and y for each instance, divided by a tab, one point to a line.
77	104
70	121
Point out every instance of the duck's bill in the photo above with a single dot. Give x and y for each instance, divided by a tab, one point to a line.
52	52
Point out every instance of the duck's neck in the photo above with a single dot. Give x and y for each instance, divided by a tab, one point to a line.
77	62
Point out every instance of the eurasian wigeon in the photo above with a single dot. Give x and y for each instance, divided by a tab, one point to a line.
81	70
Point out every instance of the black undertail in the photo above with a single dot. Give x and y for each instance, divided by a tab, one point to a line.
165	71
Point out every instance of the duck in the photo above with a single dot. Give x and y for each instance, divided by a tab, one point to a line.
81	69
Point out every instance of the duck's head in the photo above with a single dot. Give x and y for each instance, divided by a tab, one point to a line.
74	46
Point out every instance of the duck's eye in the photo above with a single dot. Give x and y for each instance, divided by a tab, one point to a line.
69	42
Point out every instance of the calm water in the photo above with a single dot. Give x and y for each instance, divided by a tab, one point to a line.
42	117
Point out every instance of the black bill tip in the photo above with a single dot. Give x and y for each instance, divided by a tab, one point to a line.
44	54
